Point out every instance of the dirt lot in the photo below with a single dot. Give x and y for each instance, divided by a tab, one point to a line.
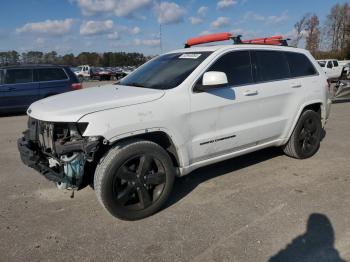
93	83
259	207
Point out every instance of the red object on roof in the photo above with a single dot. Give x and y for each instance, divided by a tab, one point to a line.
273	40
208	38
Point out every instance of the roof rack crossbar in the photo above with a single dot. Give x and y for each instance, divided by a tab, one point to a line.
273	40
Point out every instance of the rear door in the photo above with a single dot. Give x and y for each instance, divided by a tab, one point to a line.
304	81
52	81
18	90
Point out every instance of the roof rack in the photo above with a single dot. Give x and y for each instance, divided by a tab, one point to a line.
273	40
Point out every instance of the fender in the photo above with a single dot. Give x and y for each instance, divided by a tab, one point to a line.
301	109
180	147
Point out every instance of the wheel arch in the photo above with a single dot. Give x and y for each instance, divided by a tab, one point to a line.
158	136
317	106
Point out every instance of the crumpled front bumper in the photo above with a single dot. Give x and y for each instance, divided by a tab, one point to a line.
32	157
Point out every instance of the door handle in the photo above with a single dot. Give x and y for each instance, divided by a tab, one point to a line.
250	92
296	85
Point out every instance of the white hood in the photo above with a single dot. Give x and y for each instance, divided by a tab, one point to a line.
71	106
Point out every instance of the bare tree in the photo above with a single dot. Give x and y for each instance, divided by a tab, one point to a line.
299	28
336	26
313	30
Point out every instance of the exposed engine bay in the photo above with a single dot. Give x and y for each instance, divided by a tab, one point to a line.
58	151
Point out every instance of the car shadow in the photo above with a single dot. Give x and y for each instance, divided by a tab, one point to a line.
186	184
315	245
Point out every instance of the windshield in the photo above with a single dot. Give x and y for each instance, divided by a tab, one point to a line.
166	71
322	63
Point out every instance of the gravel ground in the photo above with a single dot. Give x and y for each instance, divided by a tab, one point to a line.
259	207
96	83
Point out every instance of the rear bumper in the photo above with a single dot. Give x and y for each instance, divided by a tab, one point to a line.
33	158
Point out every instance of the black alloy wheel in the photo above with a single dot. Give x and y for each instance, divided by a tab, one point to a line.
306	136
139	182
309	136
134	179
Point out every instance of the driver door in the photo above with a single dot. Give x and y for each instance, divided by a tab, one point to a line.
219	114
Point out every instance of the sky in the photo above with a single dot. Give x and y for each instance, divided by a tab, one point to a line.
74	26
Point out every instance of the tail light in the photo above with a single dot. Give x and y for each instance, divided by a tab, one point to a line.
76	86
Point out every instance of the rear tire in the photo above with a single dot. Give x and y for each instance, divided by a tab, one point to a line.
134	179
306	137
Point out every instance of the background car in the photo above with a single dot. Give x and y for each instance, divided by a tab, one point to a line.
331	67
22	85
341	91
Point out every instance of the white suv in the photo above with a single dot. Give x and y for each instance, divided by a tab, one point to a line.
180	111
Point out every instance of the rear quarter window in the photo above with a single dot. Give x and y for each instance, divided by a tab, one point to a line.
18	76
299	65
51	74
271	65
335	63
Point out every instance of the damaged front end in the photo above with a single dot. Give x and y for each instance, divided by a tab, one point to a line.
58	151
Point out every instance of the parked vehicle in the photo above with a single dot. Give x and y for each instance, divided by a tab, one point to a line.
331	67
180	111
86	72
341	90
343	62
83	72
105	74
22	85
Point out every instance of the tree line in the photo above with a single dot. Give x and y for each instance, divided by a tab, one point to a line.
329	40
85	58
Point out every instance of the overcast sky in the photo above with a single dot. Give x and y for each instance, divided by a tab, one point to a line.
133	25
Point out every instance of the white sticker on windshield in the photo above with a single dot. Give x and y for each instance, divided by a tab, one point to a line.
190	56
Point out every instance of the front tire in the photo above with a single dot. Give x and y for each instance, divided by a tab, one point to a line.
134	179
306	137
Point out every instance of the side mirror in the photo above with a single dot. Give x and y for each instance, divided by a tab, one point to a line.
212	79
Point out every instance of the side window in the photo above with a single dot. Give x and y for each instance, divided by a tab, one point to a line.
329	65
18	76
237	67
51	74
335	63
271	65
299	65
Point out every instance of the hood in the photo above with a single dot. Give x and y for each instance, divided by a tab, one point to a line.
71	106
